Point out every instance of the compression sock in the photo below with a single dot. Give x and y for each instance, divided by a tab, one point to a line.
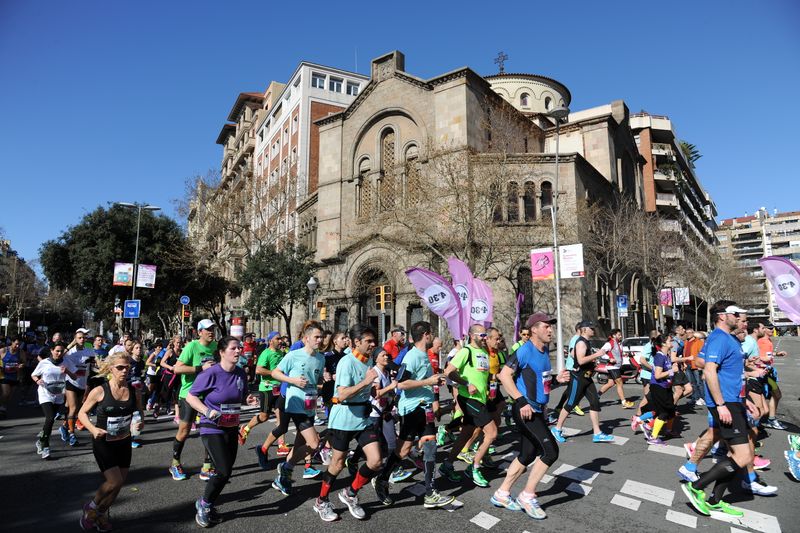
646	416
657	425
430	469
327	481
724	471
363	476
177	450
71	424
391	462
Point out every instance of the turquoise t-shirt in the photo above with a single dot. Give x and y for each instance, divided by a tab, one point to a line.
418	367
350	371
570	358
647	355
750	347
299	363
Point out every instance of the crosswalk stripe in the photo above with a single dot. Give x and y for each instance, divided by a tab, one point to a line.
570	432
752	520
682	518
484	520
579	488
576	474
627	503
677	451
619	441
648	492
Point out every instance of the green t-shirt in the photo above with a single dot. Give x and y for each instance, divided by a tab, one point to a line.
192	355
269	359
299	363
418	367
475	370
350	371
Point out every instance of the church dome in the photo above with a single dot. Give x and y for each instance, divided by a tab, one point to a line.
530	93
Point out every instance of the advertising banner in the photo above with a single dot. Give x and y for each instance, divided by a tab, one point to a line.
146	276
542	264
665	297
784	277
570	261
123	274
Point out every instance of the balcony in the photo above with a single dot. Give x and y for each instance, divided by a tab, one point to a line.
667	200
671	225
662	149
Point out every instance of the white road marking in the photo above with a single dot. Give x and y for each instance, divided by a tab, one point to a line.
619	441
737	530
576	474
484	520
648	492
579	488
570	432
682	518
677	451
752	520
547	478
417	489
627	503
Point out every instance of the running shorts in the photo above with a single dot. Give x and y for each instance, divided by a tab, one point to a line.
112	454
415	424
680	379
72	388
476	414
737	431
187	412
340	438
301	421
614	374
498	402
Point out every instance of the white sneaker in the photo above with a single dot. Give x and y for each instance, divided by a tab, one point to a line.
759	488
39	447
45	453
700	402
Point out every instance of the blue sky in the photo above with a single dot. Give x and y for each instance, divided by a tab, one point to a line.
122	101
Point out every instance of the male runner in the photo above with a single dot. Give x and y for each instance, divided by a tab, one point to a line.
268	388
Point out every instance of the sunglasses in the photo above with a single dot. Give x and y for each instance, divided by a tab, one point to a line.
483	335
122	368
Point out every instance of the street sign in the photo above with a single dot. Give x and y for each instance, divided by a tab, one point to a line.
132	309
622	305
184	300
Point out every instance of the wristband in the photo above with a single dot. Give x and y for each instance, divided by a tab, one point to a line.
520	402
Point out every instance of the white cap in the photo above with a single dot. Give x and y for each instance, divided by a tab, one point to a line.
82	330
734	309
205	324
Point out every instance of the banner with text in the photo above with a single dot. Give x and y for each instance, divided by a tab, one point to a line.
146	276
570	261
542	264
123	274
784	276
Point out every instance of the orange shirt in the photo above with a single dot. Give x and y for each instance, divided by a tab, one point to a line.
765	345
434	359
692	349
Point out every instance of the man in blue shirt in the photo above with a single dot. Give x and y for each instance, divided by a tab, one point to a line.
526	378
723	373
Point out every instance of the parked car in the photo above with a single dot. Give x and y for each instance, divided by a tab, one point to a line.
633	346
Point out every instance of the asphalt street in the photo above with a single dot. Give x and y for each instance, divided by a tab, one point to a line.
621	486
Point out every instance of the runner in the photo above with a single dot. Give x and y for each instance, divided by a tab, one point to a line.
396	342
170	381
613	350
581	384
645	372
50	376
117	403
723	370
470	369
524	335
197	356
268	388
417	418
218	393
12	361
78	360
301	370
660	397
526	378
767	353
153	375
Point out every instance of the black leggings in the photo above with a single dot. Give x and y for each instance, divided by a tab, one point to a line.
169	384
222	448
50	409
536	440
281	429
580	386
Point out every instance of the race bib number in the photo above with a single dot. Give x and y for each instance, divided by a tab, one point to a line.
546	383
55	387
310	402
229	416
482	363
118	427
276	389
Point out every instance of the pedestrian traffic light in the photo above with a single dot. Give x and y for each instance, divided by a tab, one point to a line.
383	297
323	313
186	313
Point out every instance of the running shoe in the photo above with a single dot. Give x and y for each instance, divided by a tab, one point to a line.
135	444
103	523
283	482
774	423
381	487
760	462
466	456
558	435
604	437
794	463
437	500
400	474
448	471
488	462
653	442
263	458
689	447
578	411
700	402
635	423
325	510
628	405
39	447
79	425
759	488
532	508
491	449
207	473
722	509
45	452
552	418
64	433
647	430
443	436
687	475
696	497
352	504
283	450
203	516
320	421
73	440
794	442
311	473
88	521
177	473
476	476
243	433
325	455
505	501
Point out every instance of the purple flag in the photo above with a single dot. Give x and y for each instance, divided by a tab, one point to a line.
437	293
462	283
518	307
785	279
482	303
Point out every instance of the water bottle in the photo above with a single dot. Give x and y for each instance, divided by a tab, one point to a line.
135	420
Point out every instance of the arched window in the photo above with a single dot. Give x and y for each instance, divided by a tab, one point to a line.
413	176
547	198
388	188
525	287
496	202
529	201
548	102
523	99
365	194
513	202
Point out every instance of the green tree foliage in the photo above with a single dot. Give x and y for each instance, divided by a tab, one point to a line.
276	281
690	151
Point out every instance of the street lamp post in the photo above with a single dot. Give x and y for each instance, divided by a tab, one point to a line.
559	114
312	287
139	208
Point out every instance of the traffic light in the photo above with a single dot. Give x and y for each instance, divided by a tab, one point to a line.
186	313
383	297
323	313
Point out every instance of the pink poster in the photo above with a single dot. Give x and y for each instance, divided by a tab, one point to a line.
784	276
665	297
438	295
542	264
482	311
462	284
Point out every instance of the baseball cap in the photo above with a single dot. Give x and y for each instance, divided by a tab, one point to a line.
401	329
585	324
205	324
734	309
539	316
82	330
272	335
